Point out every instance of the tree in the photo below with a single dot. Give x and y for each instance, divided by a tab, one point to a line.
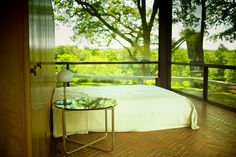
186	12
105	20
199	15
222	11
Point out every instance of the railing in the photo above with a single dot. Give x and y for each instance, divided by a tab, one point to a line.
205	68
139	78
103	77
77	63
205	73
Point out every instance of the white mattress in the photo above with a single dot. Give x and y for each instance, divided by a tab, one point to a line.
139	108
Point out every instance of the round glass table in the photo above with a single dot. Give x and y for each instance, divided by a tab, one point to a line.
88	103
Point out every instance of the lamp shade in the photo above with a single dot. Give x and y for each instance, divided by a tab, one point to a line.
64	76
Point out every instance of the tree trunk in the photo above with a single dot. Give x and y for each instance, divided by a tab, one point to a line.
146	71
195	53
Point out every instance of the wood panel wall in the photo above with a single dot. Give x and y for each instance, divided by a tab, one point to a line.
41	42
27	37
14	87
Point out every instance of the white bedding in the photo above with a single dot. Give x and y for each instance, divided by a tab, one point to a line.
139	108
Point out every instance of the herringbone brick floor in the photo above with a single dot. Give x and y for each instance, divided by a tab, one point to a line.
215	138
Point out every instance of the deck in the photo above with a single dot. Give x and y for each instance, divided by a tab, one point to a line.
215	138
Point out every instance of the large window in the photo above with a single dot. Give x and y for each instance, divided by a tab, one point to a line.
109	31
202	36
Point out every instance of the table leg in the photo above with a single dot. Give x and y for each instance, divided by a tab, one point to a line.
65	139
112	128
63	130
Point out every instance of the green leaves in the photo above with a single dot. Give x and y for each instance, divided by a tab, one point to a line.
185	11
223	12
220	14
102	21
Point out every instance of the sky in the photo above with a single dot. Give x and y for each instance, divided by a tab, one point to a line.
63	34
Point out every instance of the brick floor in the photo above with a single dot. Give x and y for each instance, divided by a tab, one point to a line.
215	138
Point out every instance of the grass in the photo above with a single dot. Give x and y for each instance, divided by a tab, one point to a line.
224	98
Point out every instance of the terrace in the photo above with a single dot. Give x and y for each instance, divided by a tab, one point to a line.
216	137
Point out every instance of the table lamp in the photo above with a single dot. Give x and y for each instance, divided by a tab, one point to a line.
64	76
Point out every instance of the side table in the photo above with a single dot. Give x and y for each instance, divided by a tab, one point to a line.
87	103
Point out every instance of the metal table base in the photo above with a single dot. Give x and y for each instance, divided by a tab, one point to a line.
66	139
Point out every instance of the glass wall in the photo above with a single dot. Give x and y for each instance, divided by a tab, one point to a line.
222	88
203	33
114	32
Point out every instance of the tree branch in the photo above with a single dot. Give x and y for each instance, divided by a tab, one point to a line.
177	44
127	48
94	12
126	26
142	12
154	12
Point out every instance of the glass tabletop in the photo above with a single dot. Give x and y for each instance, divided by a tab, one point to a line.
86	103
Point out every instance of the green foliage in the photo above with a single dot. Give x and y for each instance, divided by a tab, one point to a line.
218	13
180	55
179	85
73	54
102	21
221	56
216	92
184	11
223	12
